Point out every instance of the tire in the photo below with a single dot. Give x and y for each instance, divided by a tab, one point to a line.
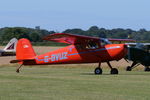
98	71
114	71
147	69
128	68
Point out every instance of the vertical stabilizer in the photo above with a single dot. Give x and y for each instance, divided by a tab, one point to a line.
24	50
11	46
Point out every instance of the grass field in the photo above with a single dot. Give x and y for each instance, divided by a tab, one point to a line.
72	83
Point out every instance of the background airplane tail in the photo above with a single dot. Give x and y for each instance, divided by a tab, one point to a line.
24	50
11	46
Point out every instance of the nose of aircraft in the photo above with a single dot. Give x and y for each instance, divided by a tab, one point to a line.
117	51
122	52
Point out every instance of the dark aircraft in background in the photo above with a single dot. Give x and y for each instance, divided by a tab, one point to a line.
139	53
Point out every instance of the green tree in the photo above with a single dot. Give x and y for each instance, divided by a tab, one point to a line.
35	37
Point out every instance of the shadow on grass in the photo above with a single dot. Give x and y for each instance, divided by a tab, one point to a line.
94	74
143	73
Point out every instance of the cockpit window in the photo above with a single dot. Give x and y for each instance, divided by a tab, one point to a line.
104	41
92	45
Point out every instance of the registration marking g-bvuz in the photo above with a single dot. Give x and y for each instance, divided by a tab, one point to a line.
56	57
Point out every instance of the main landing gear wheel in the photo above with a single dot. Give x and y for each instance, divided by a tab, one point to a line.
114	71
98	71
128	68
147	69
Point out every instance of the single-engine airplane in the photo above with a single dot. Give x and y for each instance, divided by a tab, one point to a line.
83	49
10	49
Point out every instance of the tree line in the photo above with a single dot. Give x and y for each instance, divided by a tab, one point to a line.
36	35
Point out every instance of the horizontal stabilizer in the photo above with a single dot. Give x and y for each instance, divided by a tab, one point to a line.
25	61
15	61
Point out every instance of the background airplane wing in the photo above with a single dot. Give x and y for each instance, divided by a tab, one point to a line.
121	40
69	38
134	44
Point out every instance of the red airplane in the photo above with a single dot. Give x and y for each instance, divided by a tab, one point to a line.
83	49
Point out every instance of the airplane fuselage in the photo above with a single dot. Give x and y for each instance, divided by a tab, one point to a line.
73	55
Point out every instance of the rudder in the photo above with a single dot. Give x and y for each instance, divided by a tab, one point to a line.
24	50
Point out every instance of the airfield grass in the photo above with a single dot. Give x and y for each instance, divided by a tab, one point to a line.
72	83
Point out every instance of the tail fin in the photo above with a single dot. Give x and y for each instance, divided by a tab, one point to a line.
24	53
11	46
24	50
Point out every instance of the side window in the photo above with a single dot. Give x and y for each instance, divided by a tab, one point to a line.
105	41
92	45
88	45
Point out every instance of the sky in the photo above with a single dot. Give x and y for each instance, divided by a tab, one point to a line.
59	15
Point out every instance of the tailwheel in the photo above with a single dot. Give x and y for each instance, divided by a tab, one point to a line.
18	69
147	69
98	70
114	71
128	68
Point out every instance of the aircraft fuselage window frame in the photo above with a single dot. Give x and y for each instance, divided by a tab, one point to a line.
92	45
104	41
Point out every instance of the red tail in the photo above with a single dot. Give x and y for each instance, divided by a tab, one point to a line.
24	54
24	50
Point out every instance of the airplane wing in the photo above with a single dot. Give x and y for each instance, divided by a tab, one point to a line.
77	39
69	38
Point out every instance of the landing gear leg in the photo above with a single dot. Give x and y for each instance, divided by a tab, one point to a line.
98	70
134	64
18	69
113	70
